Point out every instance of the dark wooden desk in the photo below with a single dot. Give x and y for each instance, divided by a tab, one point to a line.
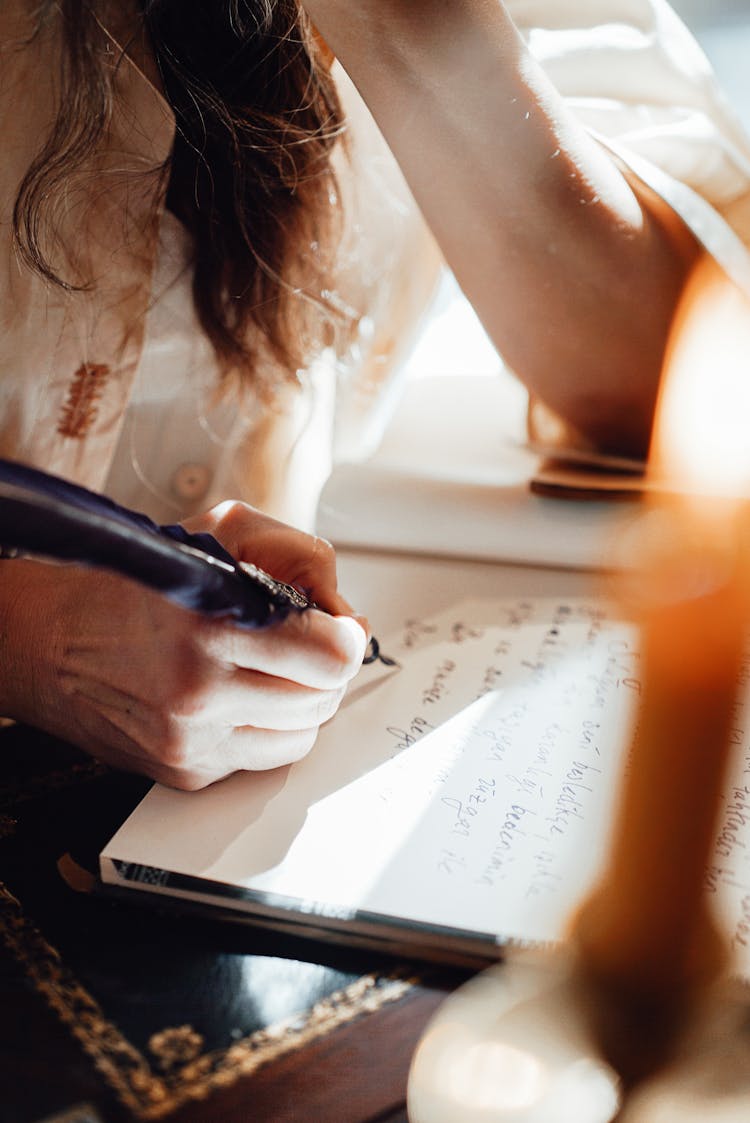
128	1014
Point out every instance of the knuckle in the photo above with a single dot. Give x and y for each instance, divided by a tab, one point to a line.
183	779
172	745
190	699
332	649
232	516
344	651
328	703
186	781
281	749
190	682
323	551
300	744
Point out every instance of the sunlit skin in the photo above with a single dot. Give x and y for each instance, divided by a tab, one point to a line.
528	210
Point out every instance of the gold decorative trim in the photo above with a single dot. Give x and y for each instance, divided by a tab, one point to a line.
175	1046
186	1073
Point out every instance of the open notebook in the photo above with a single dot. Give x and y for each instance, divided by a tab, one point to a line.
457	802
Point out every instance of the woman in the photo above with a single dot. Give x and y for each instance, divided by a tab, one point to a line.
195	259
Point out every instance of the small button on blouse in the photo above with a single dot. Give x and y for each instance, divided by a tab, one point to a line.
190	482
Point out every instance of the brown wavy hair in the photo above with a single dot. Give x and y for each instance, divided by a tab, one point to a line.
250	174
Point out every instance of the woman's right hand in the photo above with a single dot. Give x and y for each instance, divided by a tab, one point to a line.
146	686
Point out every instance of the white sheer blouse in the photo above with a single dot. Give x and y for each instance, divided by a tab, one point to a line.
153	429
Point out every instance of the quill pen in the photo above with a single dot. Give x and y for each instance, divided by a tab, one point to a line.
46	517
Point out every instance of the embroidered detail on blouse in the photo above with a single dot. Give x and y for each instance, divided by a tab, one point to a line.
82	403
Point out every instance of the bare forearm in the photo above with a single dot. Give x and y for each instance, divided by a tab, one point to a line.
574	277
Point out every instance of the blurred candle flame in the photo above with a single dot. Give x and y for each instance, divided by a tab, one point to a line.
645	942
701	442
647	934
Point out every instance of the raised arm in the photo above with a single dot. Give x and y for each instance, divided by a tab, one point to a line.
573	268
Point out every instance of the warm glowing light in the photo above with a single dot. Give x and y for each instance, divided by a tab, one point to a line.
520	1044
489	1078
493	1074
648	930
670	1104
701	438
512	1046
